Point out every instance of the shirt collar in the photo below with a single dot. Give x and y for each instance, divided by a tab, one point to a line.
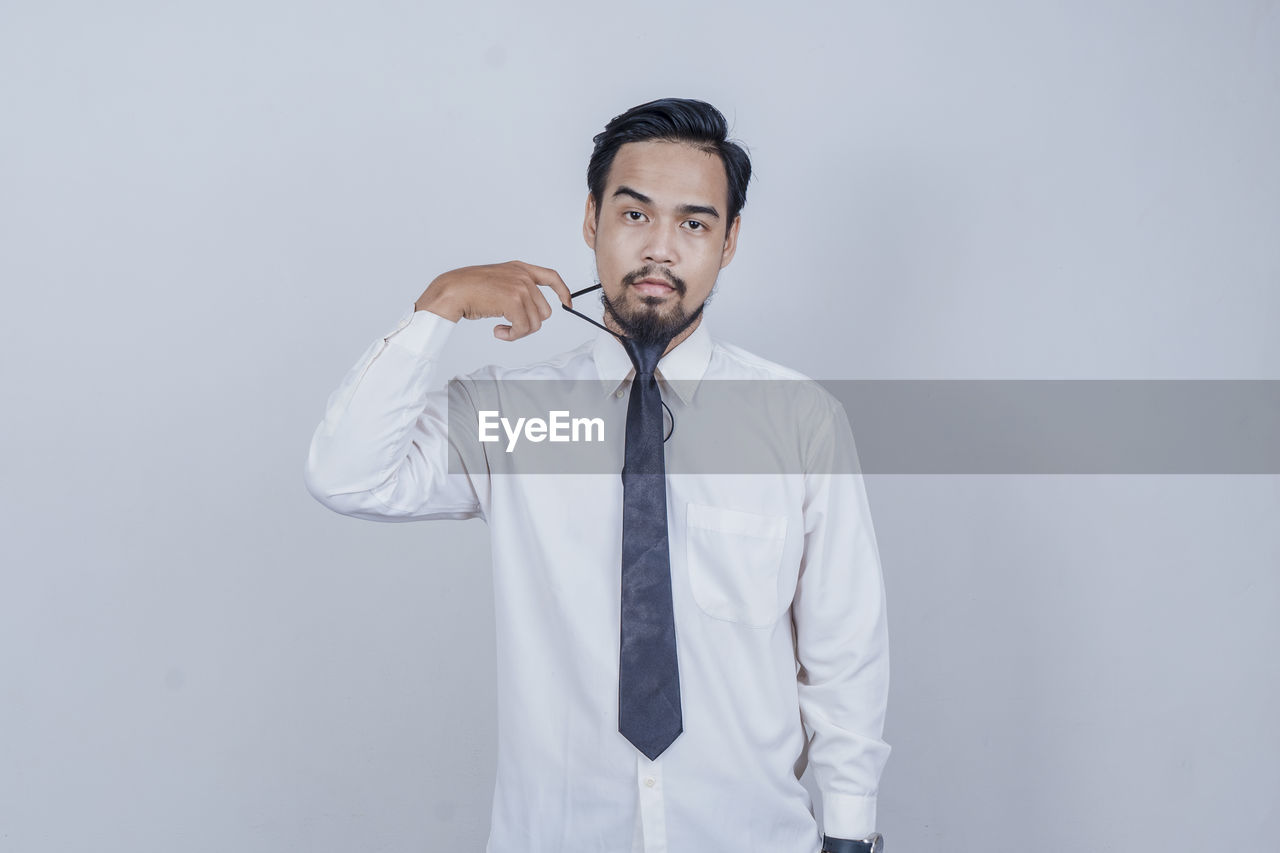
681	369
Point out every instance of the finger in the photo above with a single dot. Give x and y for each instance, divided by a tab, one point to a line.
517	315
540	302
531	311
550	278
502	332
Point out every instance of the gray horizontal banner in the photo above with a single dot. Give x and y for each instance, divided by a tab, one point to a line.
897	426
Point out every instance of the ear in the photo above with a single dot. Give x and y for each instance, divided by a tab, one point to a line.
589	223
730	242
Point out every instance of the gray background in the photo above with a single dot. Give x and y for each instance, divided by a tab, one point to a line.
207	211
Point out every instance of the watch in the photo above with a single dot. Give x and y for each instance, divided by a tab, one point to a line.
873	843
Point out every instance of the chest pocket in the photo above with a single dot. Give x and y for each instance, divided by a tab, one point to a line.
734	558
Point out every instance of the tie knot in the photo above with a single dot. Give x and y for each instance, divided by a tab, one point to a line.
644	354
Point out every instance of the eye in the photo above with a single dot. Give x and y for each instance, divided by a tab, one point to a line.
695	225
634	216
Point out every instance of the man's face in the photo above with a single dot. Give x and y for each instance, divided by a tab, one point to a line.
660	236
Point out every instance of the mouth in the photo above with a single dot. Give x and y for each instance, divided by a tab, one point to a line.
653	287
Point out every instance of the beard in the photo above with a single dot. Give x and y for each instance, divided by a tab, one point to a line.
646	322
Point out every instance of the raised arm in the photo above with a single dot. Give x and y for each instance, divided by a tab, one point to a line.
383	451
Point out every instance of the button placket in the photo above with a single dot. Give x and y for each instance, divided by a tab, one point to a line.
653	816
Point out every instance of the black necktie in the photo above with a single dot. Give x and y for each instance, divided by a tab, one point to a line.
648	675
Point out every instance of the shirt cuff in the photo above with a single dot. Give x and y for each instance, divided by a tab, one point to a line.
422	333
848	815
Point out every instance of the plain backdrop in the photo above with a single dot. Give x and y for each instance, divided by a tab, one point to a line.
209	210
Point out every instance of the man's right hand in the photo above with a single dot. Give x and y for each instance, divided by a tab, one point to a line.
507	290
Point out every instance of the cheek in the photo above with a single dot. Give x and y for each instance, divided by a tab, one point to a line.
702	276
606	260
708	263
608	242
610	267
618	252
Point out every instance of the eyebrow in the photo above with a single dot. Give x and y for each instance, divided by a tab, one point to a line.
683	210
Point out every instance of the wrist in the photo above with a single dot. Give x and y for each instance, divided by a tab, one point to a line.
438	303
873	843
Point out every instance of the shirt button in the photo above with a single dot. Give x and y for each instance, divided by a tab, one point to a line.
618	393
649	781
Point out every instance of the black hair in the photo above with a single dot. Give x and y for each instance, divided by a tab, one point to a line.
685	120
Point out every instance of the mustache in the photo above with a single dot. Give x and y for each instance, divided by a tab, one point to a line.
655	271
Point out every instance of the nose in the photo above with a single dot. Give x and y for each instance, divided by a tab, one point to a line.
659	248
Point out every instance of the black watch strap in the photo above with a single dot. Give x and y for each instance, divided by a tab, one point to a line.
844	845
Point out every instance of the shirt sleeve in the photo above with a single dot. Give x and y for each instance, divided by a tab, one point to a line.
383	451
841	635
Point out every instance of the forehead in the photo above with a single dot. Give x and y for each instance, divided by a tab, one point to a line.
669	173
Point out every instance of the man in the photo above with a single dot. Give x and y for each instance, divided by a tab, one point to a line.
673	647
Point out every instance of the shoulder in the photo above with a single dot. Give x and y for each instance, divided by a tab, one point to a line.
522	388
733	362
741	364
564	365
804	420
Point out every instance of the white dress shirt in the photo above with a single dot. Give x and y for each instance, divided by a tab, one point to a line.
777	593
